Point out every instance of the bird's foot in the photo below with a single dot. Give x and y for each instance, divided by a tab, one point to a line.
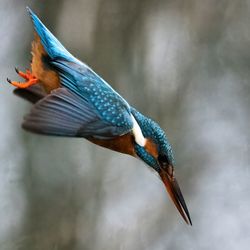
30	79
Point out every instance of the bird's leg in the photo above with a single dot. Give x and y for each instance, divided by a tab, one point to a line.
30	79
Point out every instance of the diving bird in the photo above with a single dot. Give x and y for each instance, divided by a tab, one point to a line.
70	99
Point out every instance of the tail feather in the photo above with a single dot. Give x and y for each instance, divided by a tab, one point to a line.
51	45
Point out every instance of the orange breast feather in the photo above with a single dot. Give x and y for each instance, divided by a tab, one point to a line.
47	77
151	148
123	144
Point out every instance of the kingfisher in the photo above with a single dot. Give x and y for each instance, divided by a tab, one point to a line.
71	100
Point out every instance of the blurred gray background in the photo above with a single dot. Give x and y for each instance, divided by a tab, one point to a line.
186	64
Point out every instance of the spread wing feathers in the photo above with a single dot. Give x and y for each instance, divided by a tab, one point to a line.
64	113
87	84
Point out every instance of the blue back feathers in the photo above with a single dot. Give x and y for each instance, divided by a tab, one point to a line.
107	102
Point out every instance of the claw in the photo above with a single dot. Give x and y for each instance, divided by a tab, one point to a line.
31	79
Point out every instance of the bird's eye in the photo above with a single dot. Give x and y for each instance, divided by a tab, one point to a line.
163	159
164	162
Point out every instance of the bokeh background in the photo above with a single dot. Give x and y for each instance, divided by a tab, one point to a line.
186	64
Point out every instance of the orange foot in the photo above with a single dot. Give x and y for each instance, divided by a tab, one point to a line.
30	79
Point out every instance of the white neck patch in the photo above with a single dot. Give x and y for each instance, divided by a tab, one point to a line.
139	138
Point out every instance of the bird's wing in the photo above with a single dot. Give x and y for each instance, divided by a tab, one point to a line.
86	83
63	113
90	91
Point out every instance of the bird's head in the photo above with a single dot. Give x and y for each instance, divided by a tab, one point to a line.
158	154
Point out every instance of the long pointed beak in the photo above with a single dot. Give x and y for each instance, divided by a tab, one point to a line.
176	195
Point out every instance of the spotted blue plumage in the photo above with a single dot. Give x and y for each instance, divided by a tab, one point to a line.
84	82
